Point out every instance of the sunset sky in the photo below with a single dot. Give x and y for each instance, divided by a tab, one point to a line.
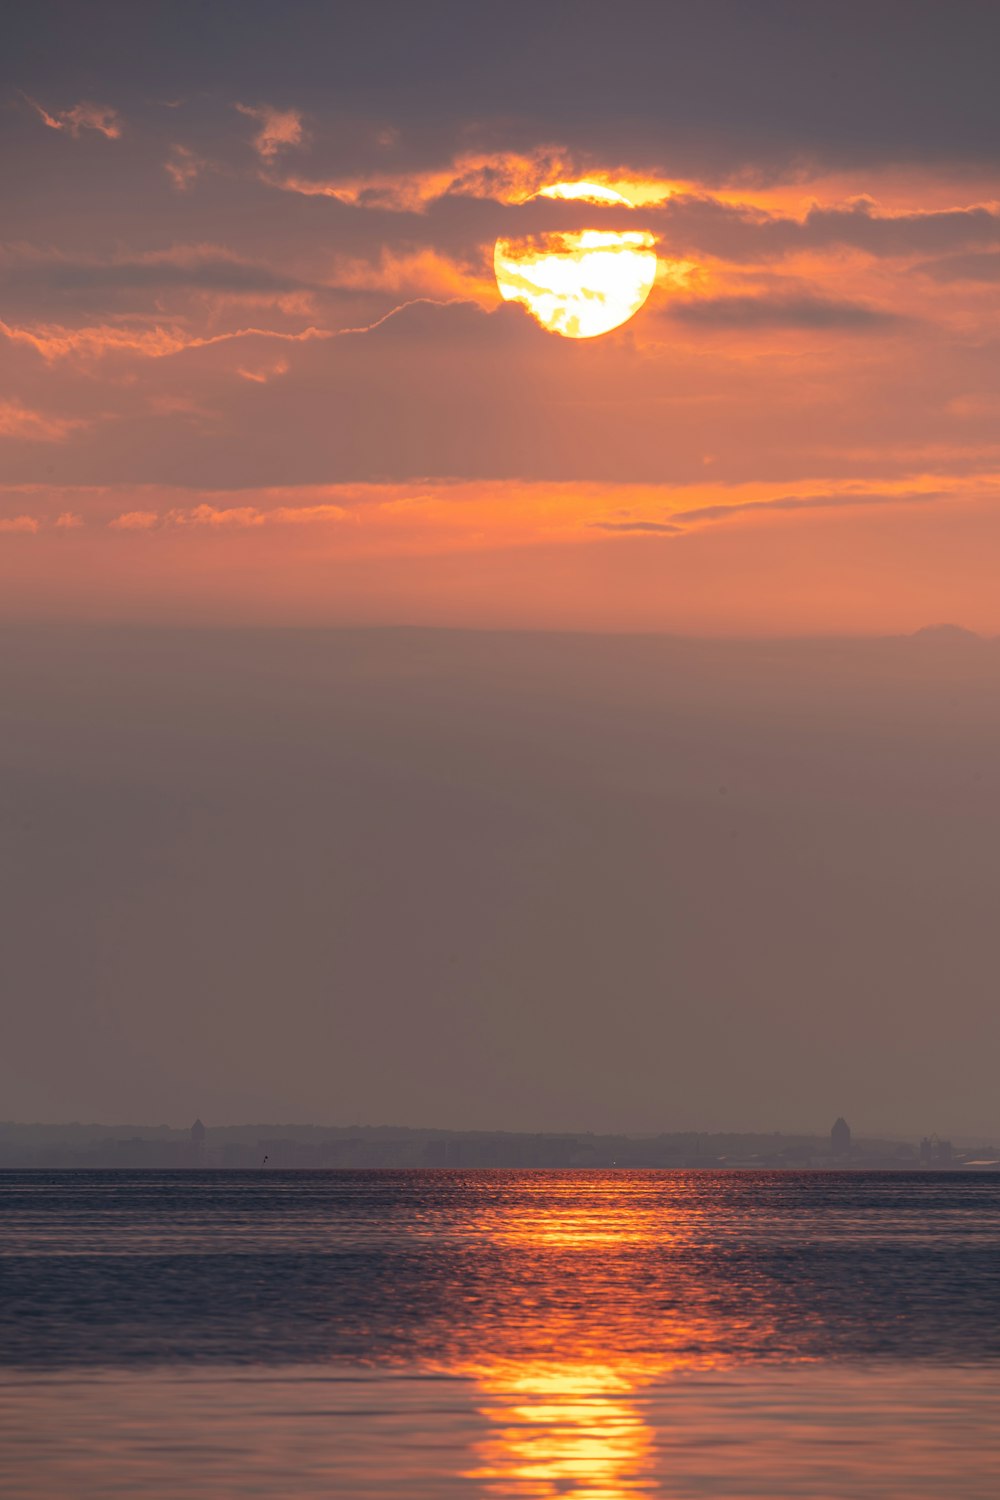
667	823
257	368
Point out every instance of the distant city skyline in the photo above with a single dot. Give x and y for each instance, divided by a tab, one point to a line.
259	1146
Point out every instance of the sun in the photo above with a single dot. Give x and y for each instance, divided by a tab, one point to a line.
583	283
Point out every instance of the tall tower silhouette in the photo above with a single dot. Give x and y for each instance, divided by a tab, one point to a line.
840	1137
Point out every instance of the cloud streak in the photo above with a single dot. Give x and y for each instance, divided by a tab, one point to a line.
86	115
769	311
639	528
19	421
846	499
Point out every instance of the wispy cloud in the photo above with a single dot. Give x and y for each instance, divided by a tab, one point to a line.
503	178
639	528
19	421
83	116
279	130
261	374
55	341
307	515
697	223
135	520
184	167
834	501
228	518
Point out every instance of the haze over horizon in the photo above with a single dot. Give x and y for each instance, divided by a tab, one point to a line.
499	880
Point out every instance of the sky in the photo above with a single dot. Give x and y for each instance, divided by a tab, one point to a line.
256	367
499	880
412	715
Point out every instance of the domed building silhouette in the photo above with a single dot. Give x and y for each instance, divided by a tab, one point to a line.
840	1137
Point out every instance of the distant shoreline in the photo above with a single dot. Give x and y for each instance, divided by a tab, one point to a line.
958	1169
395	1148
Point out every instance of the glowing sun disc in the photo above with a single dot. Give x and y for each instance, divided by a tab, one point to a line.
582	283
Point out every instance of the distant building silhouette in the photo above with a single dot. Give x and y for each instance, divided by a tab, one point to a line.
840	1137
936	1152
198	1134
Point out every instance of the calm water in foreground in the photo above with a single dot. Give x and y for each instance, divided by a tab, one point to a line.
426	1334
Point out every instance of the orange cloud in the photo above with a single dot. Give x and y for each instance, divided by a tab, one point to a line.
18	525
19	421
279	129
307	515
233	517
421	273
183	167
83	116
506	177
209	515
460	516
263	373
55	341
251	516
135	520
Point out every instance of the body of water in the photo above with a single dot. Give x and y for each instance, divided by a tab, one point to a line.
529	1334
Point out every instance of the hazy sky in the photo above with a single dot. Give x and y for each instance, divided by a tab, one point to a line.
256	367
499	880
256	375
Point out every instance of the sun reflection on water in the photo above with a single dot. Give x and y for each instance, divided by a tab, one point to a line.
562	1429
572	1424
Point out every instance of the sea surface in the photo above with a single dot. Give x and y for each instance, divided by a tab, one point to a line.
181	1336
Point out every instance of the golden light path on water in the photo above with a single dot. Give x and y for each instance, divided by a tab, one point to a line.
572	1424
562	1429
583	282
